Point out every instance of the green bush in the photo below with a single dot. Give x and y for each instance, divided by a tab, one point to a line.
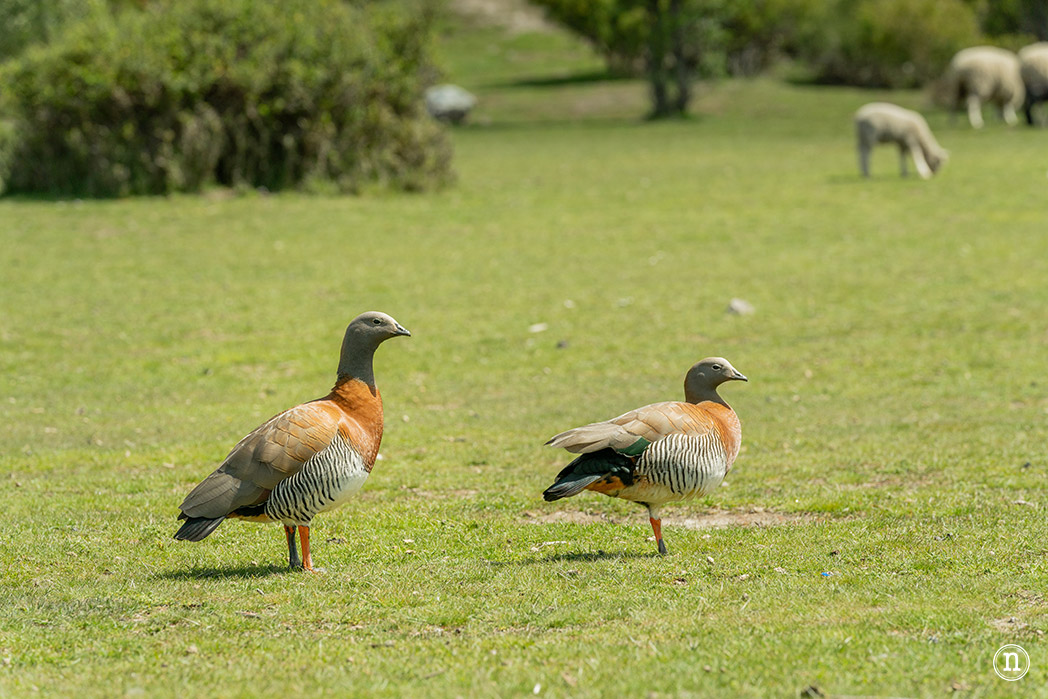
891	43
27	22
243	93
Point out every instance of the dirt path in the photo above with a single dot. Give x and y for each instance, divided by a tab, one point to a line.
517	16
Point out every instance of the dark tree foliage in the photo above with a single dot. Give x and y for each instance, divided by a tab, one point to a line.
890	43
1026	18
876	43
670	42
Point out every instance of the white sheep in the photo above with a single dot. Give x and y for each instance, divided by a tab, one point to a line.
880	122
985	74
1033	67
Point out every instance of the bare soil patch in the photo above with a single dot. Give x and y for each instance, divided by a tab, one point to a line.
719	519
1009	624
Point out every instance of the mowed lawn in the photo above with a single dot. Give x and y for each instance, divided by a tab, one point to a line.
894	425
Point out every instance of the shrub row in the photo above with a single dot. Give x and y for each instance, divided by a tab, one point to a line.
242	93
883	43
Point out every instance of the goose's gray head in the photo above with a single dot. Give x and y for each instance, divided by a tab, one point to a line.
363	336
375	327
704	377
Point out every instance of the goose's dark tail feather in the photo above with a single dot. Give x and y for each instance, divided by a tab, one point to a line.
568	487
588	469
197	528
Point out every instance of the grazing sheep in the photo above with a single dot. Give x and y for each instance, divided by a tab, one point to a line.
1033	67
985	74
880	122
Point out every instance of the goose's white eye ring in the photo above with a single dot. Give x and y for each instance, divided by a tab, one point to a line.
717	367
377	321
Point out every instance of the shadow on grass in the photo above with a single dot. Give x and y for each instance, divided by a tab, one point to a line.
248	571
575	558
52	198
582	123
542	123
594	76
885	179
874	180
850	179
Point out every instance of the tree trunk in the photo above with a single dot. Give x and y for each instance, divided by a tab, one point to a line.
657	60
681	69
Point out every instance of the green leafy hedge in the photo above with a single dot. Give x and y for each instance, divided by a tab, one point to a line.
244	93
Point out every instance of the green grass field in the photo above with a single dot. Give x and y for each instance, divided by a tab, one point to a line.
894	425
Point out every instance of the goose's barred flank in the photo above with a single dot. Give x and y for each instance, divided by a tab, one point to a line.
306	460
325	481
659	453
687	466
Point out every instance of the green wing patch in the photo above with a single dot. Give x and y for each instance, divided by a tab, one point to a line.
636	448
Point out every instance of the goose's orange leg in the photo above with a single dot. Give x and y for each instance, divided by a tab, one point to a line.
656	526
307	560
655	517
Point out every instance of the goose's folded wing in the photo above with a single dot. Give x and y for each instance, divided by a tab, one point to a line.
632	432
274	451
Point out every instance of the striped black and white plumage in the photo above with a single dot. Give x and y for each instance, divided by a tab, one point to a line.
678	466
660	453
325	482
